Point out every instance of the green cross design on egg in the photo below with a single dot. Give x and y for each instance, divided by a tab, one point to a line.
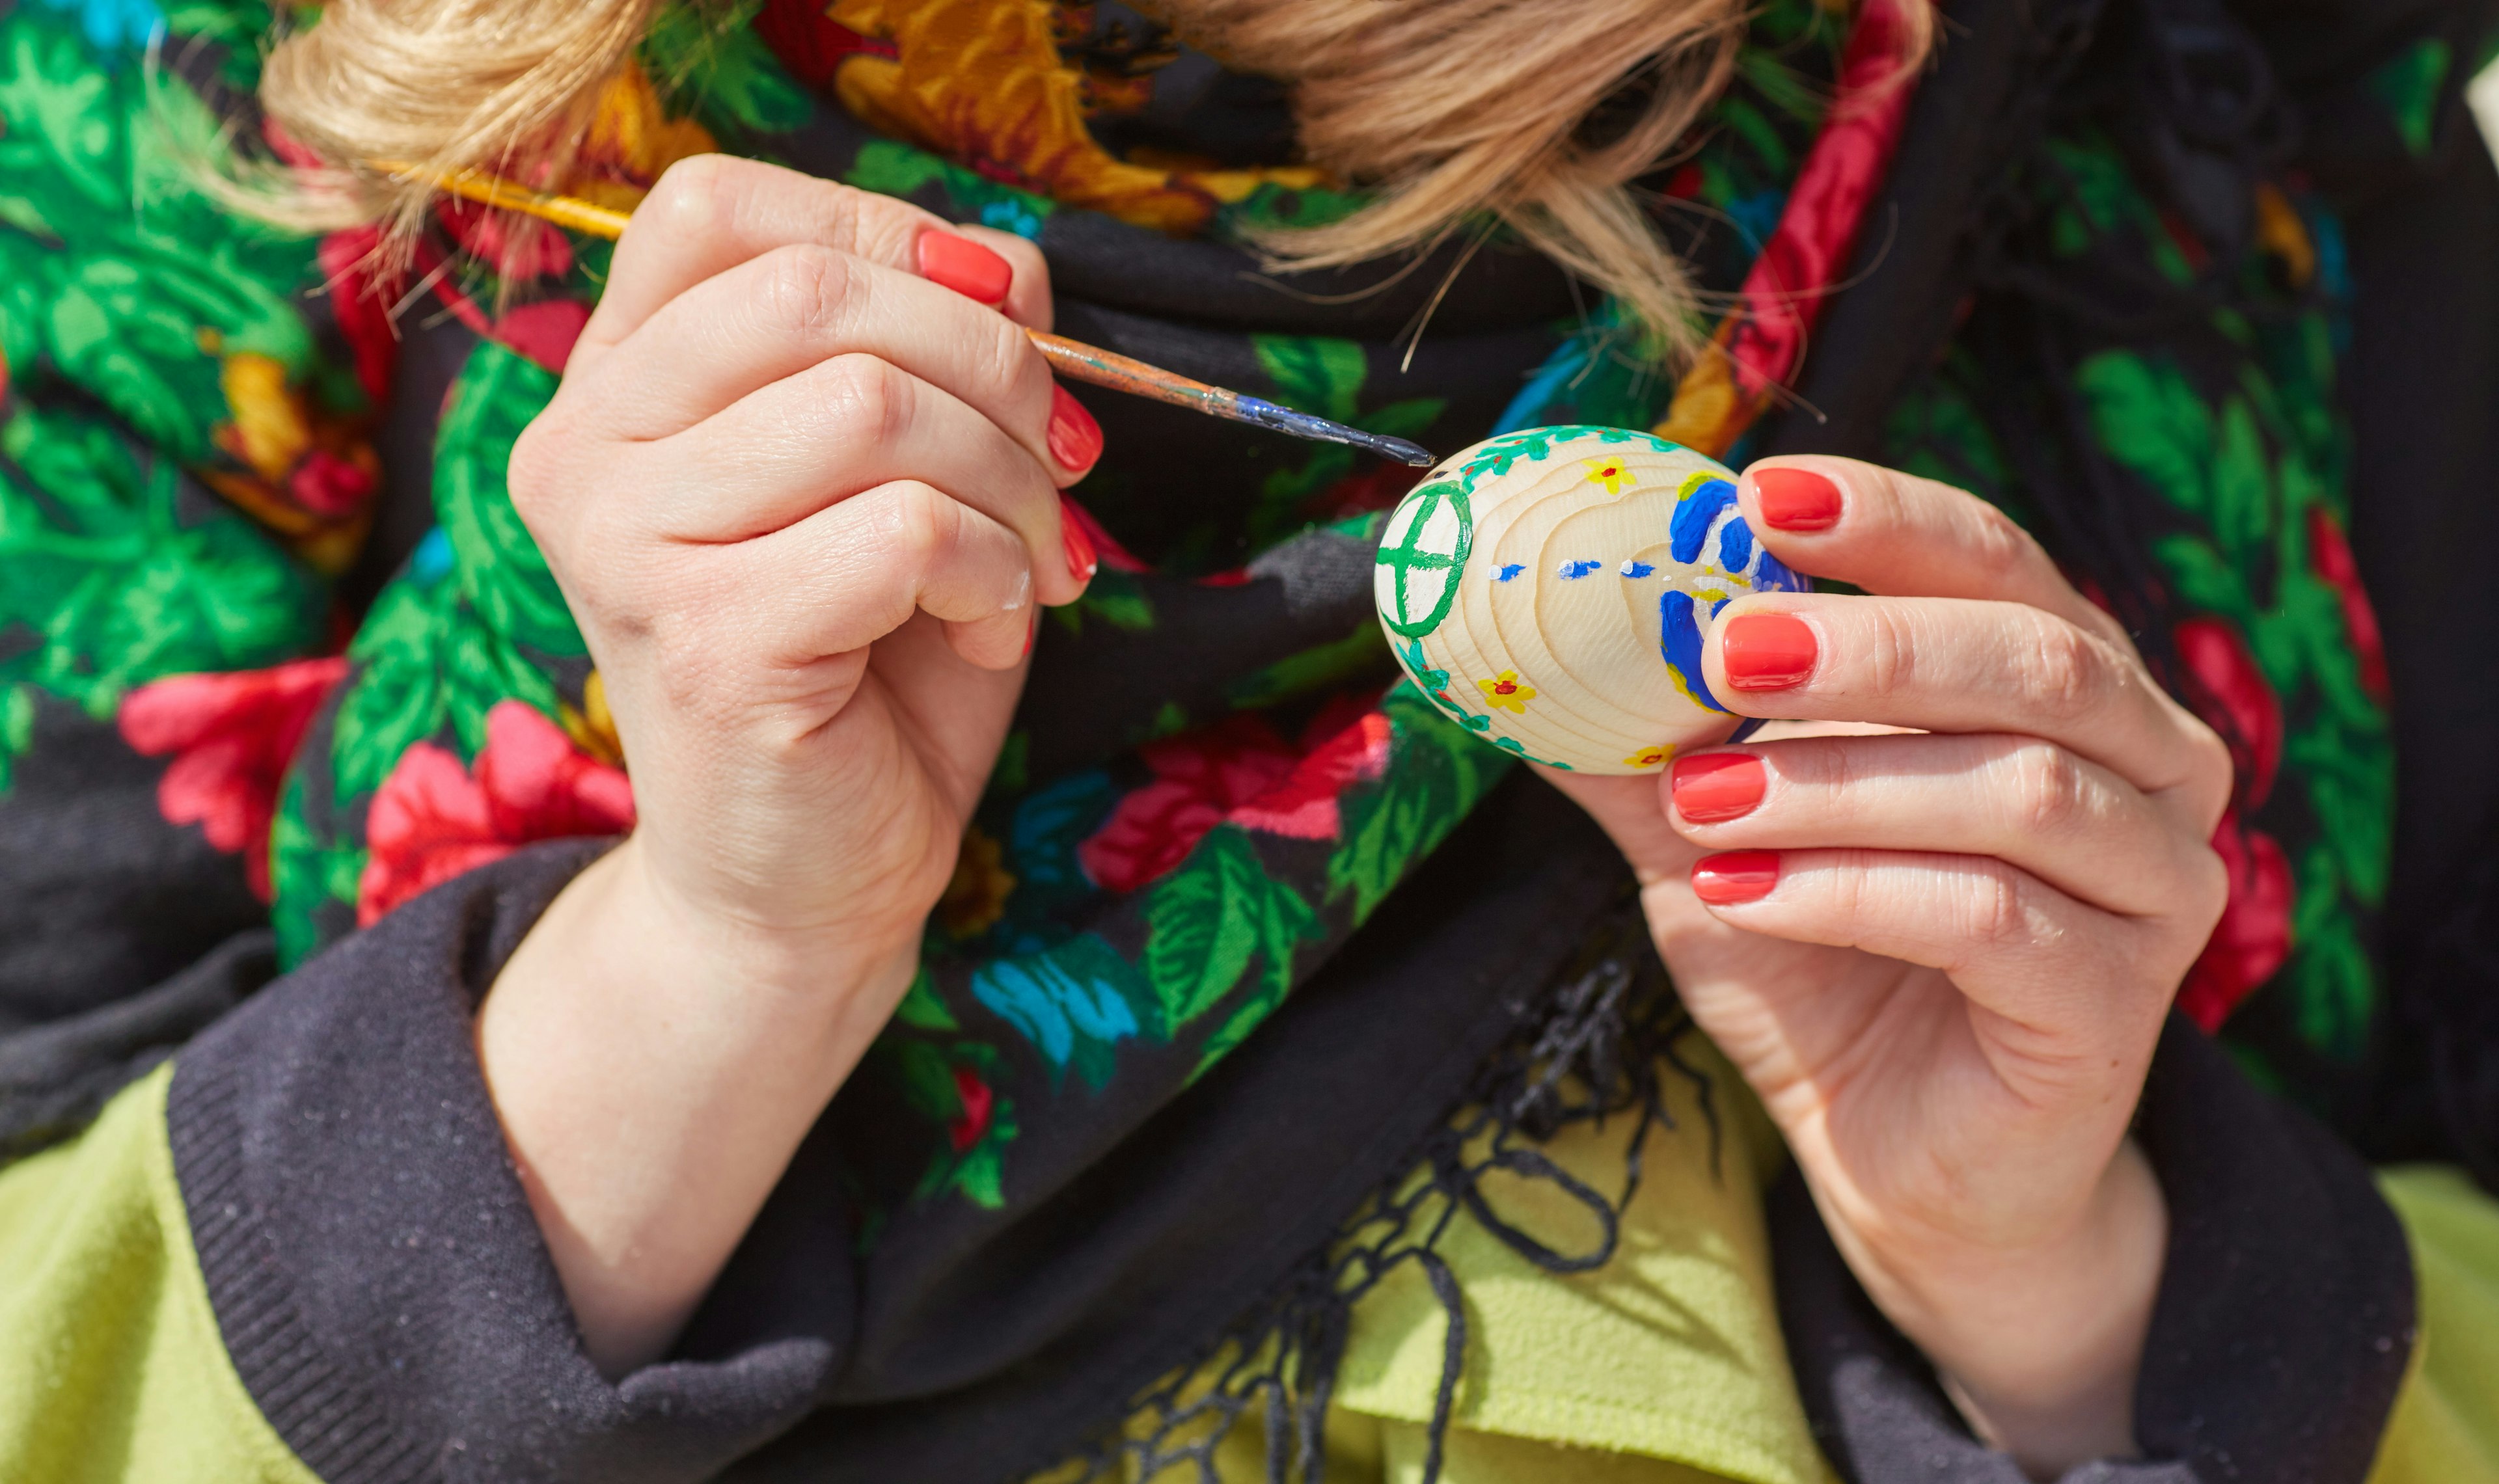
1422	557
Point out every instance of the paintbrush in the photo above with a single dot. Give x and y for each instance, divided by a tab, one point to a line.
1072	359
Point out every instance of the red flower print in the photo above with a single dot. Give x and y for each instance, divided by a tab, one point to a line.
2330	556
967	1127
1106	546
430	820
1348	743
1242	772
1198	779
545	330
231	735
517	247
810	43
362	302
1376	488
2253	936
329	486
2218	657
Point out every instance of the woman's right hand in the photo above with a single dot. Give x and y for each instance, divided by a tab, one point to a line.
803	501
800	489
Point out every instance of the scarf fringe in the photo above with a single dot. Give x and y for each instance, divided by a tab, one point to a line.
1596	1043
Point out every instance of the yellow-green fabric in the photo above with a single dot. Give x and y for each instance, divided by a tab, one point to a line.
1667	1365
111	1365
2446	1424
1663	1366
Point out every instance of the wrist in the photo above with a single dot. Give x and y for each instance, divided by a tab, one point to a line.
653	1069
2040	1343
631	914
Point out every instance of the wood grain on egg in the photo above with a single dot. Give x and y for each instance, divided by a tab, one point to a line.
1548	589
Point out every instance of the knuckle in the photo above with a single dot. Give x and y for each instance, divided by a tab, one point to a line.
1997	547
1889	649
533	474
2063	671
869	402
805	288
2206	890
2001	915
2050	789
2211	771
920	525
1009	367
693	197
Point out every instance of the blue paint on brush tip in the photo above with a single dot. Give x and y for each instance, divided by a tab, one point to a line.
1579	569
1318	429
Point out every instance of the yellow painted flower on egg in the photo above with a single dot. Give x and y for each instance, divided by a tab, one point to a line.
1506	692
1649	757
1608	473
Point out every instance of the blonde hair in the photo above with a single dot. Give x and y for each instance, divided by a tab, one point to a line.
1456	114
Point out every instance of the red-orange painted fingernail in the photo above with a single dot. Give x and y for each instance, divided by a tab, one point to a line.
1081	559
1767	650
1075	439
1717	786
1032	631
1737	877
1797	500
964	266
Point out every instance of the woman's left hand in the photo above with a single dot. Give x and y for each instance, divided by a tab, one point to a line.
1943	957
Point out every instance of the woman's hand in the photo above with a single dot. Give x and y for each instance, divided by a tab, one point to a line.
1943	957
803	501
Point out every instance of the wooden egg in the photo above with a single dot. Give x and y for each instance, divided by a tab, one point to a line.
1546	589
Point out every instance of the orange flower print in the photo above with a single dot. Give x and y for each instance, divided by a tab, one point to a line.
1608	473
1650	757
984	82
1506	693
977	897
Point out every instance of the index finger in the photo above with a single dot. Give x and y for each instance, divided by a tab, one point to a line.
712	212
1902	536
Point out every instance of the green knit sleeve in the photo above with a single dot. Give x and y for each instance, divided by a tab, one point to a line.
2446	1424
111	1364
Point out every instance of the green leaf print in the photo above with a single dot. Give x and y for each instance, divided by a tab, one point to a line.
118	273
1313	373
2148	418
122	572
499	567
1209	920
891	169
17	728
1440	773
425	660
2331	981
709	58
1115	597
1363	652
2408	88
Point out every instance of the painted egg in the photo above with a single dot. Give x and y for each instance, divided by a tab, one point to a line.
1548	588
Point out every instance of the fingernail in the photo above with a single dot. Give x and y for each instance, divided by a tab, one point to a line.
1797	500
1767	650
1737	877
1075	439
1031	632
1717	786
1081	559
964	266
